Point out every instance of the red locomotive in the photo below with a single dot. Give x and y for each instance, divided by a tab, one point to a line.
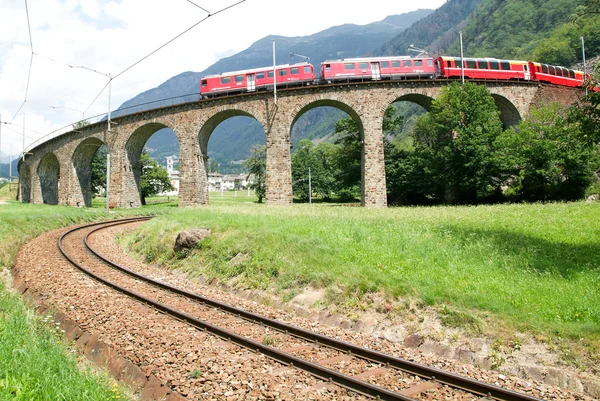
376	68
257	79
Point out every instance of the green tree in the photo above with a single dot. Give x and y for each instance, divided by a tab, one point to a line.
213	166
154	177
547	158
348	152
455	141
319	158
99	170
256	165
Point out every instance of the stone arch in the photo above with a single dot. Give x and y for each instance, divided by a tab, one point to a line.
509	114
350	109
133	167
208	126
422	100
25	182
324	102
211	124
81	162
49	178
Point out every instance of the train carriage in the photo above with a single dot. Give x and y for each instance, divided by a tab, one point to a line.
483	68
377	68
257	79
556	75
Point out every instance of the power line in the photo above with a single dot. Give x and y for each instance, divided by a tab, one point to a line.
30	63
178	36
203	9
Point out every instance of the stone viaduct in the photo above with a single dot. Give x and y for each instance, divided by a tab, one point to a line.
58	171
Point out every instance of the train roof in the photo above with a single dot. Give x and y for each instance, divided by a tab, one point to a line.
482	58
258	69
359	59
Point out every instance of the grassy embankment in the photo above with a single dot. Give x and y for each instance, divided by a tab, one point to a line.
534	268
34	362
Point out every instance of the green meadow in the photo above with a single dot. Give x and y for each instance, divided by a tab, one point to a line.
527	267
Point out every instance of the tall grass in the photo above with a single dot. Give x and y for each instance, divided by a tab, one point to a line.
34	364
535	266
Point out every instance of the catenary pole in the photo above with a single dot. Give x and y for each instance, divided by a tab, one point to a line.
462	60
584	67
274	76
0	144
309	188
23	136
106	143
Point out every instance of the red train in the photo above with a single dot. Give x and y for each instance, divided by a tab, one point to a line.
377	68
257	79
394	68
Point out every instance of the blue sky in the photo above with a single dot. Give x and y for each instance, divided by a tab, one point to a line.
109	36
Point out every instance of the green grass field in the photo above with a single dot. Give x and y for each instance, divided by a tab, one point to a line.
534	268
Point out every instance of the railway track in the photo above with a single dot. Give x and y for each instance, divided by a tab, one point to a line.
333	362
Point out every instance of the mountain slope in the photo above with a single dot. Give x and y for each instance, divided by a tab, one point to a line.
436	32
543	30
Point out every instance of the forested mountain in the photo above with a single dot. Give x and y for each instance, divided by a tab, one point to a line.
436	32
544	30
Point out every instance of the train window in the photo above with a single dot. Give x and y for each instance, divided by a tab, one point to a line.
239	78
552	70
395	64
571	74
282	73
429	63
294	71
494	65
204	82
269	74
348	66
483	65
260	75
418	63
363	66
471	63
544	68
449	64
385	64
407	63
225	80
327	67
307	69
505	65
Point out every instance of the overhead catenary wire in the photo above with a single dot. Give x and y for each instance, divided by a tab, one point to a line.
33	53
178	36
30	63
203	9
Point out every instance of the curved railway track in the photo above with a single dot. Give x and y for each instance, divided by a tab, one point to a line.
333	362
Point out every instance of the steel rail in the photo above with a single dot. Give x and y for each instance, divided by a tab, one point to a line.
316	370
423	371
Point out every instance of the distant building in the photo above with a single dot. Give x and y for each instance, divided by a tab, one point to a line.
228	182
173	174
